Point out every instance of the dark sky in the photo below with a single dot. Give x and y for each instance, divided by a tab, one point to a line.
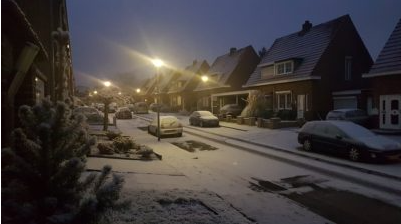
112	36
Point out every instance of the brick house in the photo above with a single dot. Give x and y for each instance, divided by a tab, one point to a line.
385	76
226	76
36	56
180	91
314	70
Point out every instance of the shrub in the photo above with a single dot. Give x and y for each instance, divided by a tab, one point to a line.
145	151
123	144
42	171
287	114
112	135
105	148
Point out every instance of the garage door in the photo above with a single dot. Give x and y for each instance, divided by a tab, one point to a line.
345	102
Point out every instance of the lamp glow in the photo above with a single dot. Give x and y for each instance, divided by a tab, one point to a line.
107	83
157	63
205	78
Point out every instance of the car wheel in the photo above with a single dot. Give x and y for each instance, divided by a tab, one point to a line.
201	123
190	123
354	154
307	146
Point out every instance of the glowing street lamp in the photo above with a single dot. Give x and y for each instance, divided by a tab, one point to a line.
138	90
95	92
204	78
107	83
158	63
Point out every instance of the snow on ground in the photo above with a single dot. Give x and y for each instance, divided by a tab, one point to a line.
192	187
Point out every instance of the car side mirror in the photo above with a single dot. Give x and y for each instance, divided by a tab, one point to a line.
339	137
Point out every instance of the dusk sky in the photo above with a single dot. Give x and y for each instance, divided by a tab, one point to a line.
110	37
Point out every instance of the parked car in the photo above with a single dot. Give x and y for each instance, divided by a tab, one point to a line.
91	113
163	107
169	125
349	139
141	108
131	107
123	113
112	107
355	115
203	118
230	109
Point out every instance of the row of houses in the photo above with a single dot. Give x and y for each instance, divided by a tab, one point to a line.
311	71
35	57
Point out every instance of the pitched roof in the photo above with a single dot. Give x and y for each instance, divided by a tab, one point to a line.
389	60
147	86
188	74
165	78
306	47
222	68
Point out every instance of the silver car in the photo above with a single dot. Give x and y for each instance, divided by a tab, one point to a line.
169	125
355	115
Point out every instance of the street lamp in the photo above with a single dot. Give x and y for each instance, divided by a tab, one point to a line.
106	101
204	78
158	63
138	90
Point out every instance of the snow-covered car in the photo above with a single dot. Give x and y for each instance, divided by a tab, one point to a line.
355	115
92	114
163	107
141	108
123	113
203	118
169	125
349	139
230	109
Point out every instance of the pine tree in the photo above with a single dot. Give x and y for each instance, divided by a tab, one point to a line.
43	172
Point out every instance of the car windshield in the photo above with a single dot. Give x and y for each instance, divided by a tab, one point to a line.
205	113
354	130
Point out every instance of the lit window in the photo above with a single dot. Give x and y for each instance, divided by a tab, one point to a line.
284	68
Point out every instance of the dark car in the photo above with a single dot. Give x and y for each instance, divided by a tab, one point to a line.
349	139
355	115
123	113
141	108
203	118
230	109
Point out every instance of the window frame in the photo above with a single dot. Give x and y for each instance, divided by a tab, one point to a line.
285	68
287	100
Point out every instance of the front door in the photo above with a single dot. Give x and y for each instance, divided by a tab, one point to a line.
390	111
300	106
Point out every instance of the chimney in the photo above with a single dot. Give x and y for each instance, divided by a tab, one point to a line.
194	62
306	26
233	50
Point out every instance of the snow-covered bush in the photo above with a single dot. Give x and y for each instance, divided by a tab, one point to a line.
145	151
43	179
106	148
112	135
122	144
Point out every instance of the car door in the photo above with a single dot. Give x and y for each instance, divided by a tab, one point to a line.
335	139
318	136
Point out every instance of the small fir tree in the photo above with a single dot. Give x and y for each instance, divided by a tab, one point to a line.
43	179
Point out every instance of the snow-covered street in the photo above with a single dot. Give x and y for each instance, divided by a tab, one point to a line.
244	182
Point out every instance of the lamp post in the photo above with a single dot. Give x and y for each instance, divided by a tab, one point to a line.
106	101
158	63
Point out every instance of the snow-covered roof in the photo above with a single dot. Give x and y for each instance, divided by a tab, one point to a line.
304	47
389	60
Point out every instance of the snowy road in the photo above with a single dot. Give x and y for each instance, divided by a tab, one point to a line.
237	176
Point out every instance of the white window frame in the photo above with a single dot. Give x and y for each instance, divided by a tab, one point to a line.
285	68
287	100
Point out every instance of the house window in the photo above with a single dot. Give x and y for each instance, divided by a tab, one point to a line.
179	100
284	100
282	68
205	101
348	68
